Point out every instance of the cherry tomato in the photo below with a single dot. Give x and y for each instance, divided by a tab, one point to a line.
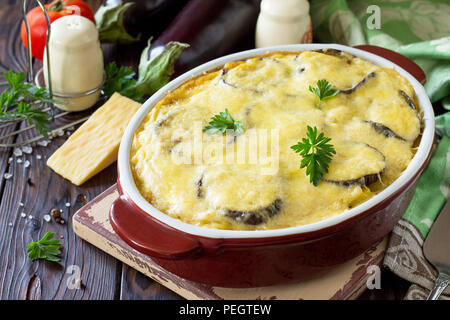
55	10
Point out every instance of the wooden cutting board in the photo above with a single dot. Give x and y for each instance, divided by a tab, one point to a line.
346	281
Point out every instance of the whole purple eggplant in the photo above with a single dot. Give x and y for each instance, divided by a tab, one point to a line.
148	17
212	29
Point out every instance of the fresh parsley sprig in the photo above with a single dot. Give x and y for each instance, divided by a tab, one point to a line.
121	80
316	154
24	101
46	248
154	71
222	122
323	91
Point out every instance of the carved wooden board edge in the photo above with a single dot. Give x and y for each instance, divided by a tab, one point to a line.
346	281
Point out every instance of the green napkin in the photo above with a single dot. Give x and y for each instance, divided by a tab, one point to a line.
419	30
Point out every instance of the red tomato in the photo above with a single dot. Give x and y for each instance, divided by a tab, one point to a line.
55	10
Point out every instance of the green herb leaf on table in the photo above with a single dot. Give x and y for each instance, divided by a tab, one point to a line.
222	122
46	248
109	21
316	154
323	91
24	101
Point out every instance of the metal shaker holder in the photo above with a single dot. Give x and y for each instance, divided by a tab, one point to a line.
39	82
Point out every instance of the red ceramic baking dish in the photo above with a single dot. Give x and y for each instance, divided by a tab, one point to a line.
232	258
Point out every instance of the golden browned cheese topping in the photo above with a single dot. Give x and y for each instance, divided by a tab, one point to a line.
253	181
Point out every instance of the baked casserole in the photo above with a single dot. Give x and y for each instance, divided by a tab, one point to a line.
252	180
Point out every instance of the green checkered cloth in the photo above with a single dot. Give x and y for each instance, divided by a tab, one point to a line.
419	30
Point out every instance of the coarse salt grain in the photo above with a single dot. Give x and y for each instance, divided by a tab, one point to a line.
27	149
67	204
10	159
7	176
19	161
39	157
26	164
21	204
47	218
43	143
17	152
30	217
23	214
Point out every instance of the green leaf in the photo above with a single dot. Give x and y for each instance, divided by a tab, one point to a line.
46	248
155	72
109	21
323	91
121	80
316	154
222	122
24	101
36	117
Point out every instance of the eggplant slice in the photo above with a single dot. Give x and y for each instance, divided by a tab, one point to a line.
223	80
347	57
384	130
240	192
242	76
199	186
355	163
359	84
408	100
255	217
399	118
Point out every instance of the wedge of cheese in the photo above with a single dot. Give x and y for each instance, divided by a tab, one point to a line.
95	144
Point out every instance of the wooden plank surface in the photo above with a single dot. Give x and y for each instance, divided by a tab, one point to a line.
40	190
137	286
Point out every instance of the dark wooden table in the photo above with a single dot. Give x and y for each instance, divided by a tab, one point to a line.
36	190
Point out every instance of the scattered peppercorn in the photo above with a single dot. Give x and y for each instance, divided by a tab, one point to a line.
55	213
82	198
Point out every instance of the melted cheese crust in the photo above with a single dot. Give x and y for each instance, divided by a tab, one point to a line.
373	128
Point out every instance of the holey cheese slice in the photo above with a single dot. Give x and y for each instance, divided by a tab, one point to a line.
95	144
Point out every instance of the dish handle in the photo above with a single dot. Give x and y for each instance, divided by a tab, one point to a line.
149	236
398	59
